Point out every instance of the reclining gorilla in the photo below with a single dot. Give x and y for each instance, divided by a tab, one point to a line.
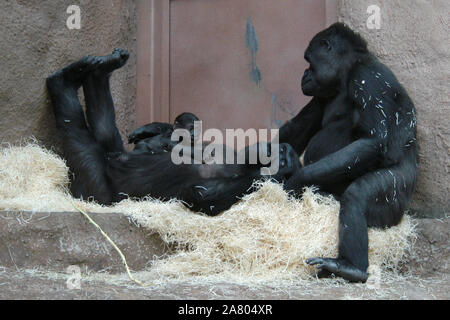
358	136
102	169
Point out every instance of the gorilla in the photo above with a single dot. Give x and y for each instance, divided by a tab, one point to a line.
358	136
102	170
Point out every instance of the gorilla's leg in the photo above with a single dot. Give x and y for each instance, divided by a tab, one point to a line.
352	261
63	88
377	199
85	157
99	103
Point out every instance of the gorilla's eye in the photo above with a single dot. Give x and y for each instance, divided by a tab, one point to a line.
326	44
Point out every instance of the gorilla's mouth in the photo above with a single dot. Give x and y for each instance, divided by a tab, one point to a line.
306	78
305	81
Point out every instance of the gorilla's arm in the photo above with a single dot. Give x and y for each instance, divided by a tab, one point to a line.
212	196
373	119
337	166
148	131
300	129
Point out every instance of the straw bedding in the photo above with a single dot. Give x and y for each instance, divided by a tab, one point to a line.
266	236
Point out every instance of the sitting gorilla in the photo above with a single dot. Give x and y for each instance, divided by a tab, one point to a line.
359	137
156	136
101	168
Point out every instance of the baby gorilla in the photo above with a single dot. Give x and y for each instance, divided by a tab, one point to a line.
156	137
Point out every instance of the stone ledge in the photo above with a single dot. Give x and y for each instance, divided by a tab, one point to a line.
55	241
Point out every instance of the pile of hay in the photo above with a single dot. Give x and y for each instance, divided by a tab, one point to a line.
266	236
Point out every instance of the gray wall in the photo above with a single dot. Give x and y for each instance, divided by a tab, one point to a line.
414	41
35	42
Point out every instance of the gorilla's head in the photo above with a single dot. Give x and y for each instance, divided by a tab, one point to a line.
186	121
331	55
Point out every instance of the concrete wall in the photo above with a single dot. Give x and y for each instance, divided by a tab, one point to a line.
414	41
35	42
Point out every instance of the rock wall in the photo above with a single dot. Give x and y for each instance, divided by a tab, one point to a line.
36	42
414	41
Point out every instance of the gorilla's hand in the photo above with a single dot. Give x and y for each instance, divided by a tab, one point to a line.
295	183
288	163
148	131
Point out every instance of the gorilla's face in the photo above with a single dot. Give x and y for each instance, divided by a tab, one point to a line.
186	121
321	78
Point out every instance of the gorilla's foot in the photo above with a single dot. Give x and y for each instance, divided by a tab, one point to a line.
324	274
75	73
338	267
117	59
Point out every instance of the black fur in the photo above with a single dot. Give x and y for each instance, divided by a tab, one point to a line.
359	133
102	170
156	137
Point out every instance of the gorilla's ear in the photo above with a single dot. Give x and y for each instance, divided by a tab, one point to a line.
326	44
